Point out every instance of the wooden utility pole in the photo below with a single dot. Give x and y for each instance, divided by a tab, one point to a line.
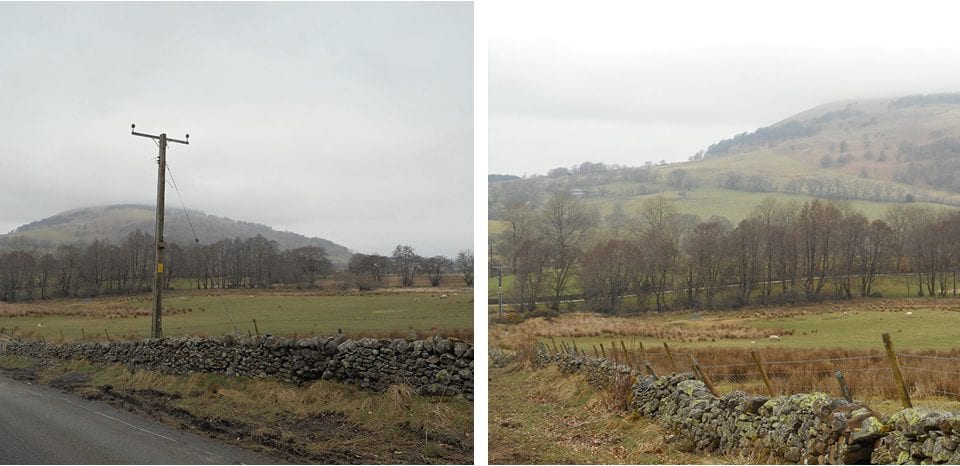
499	290
156	329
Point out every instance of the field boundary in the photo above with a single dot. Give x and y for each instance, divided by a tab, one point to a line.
797	428
432	367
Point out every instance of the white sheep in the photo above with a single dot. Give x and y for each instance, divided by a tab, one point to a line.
774	337
909	313
443	296
40	325
845	313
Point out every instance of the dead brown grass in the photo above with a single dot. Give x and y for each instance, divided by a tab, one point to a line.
929	375
113	308
592	325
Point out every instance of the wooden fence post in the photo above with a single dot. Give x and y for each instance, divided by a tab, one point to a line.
595	352
650	371
105	332
895	365
704	377
643	353
555	349
844	388
83	337
255	327
763	372
673	365
626	355
603	350
61	337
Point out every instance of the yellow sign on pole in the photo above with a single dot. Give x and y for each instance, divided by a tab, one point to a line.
159	268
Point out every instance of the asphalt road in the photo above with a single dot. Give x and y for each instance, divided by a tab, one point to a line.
41	425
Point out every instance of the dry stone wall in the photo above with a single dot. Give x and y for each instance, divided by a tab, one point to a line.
434	366
810	428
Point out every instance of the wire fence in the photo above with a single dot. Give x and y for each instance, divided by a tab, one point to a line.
930	376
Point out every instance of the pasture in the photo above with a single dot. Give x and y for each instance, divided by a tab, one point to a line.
932	326
814	341
396	313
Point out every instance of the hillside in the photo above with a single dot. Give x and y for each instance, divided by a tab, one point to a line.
871	153
116	221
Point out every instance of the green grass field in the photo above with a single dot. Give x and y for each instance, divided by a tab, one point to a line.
932	326
382	313
927	329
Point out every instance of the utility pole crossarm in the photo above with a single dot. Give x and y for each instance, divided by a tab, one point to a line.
133	131
156	329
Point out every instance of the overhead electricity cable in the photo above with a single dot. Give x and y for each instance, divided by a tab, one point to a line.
203	257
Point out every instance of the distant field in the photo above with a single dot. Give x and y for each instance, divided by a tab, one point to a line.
931	327
398	313
734	205
705	202
814	341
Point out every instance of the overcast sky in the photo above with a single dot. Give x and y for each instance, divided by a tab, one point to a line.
647	81
352	122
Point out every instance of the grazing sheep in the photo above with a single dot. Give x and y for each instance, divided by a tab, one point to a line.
40	325
443	296
752	342
774	337
909	313
845	313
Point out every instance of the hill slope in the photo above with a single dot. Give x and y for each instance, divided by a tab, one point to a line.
871	153
913	140
116	221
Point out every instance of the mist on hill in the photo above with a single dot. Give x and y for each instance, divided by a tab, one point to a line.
347	121
637	83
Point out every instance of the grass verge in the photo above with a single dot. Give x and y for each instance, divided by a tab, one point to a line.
542	416
322	422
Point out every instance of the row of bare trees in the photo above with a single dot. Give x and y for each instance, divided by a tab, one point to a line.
659	258
101	267
370	270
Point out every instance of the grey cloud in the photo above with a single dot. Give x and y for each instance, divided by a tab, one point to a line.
320	118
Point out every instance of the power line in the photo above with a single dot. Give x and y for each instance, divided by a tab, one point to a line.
203	257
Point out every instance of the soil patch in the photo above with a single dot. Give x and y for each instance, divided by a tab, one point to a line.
70	380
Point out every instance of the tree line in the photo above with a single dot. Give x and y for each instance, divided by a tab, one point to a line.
89	269
660	259
370	270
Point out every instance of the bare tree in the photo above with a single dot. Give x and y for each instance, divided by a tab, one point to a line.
611	269
464	264
436	267
405	260
563	224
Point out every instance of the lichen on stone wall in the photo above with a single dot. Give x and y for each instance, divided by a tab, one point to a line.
809	428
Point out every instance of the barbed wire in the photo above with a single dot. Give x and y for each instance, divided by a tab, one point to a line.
924	369
922	356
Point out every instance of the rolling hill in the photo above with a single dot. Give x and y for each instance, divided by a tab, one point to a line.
869	153
116	221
